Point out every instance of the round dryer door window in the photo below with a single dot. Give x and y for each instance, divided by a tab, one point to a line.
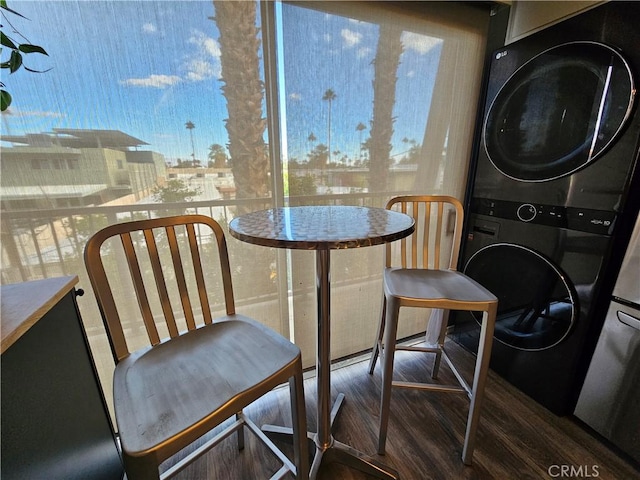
559	111
536	306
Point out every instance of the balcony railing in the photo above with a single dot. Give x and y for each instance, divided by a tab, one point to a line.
47	243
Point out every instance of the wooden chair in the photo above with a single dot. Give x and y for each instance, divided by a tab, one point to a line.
427	278
170	392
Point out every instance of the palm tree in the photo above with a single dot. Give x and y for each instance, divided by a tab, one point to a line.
190	126
217	156
244	91
360	128
329	96
384	97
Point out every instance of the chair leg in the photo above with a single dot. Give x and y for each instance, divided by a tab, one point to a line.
240	432
392	310
376	344
479	380
299	423
440	319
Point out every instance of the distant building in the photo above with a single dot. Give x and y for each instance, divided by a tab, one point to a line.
71	167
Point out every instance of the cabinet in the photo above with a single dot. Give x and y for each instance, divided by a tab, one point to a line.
527	17
55	424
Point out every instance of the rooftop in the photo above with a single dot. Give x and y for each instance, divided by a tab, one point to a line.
77	138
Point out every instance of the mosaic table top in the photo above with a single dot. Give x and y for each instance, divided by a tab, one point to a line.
321	227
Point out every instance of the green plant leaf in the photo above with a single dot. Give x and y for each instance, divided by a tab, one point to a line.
27	48
6	42
15	61
5	100
3	5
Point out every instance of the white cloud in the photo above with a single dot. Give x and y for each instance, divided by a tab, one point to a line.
295	96
206	45
327	37
149	28
204	63
154	81
201	64
350	37
32	113
364	52
198	70
422	44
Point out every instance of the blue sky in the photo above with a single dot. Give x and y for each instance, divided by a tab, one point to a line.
148	67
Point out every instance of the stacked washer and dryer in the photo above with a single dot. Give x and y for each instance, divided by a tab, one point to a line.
554	195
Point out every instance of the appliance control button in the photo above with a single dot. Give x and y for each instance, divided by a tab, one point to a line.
526	212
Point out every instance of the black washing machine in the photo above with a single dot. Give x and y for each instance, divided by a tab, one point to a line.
550	195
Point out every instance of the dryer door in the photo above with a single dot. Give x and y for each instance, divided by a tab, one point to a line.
559	111
537	307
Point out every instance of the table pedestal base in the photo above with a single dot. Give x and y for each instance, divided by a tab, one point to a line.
335	451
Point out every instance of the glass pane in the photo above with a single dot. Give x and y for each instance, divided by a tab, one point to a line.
143	109
375	103
537	306
580	117
165	113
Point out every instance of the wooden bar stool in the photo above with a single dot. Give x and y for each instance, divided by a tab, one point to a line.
427	278
171	391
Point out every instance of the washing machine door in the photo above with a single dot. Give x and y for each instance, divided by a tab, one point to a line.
537	307
559	111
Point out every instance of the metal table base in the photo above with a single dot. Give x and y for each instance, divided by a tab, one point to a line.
328	449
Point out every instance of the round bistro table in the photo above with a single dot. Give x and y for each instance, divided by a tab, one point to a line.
325	228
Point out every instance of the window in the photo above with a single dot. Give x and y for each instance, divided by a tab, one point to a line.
299	102
40	164
376	101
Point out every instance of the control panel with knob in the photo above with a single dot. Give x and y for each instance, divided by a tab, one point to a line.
572	218
526	212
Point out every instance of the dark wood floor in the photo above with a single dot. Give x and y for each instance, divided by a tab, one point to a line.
517	438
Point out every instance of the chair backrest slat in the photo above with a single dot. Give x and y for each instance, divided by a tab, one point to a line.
403	243
414	238
435	242
197	268
168	250
178	268
138	285
225	270
438	238
426	225
104	296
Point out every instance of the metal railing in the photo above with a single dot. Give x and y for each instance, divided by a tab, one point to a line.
49	242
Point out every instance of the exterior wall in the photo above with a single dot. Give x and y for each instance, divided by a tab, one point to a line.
142	178
111	165
119	172
94	166
17	167
155	158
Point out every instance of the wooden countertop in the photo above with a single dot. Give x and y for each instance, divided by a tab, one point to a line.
23	304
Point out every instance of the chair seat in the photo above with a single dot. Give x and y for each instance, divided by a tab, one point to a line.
217	377
435	286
